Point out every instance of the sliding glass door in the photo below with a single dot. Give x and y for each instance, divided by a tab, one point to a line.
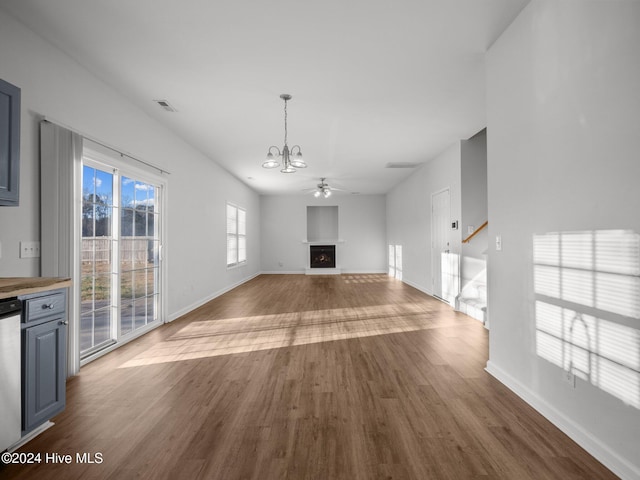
120	263
97	303
139	247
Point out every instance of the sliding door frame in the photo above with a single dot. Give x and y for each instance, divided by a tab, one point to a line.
97	156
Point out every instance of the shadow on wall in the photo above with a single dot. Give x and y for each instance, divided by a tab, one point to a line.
587	307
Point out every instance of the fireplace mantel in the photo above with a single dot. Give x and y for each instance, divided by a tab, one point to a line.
322	242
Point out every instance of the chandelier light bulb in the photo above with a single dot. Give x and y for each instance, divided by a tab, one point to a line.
271	162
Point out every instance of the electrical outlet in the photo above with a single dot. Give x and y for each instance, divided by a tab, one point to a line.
570	378
29	249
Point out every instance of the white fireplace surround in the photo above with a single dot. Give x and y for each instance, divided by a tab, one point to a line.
323	271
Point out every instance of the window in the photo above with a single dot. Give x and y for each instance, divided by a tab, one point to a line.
236	235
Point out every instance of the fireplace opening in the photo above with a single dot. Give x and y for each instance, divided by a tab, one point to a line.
323	256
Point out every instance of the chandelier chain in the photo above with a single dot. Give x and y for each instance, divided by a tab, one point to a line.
285	122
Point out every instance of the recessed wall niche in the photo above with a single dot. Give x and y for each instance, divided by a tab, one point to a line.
322	223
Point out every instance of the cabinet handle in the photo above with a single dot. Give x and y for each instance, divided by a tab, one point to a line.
51	306
63	322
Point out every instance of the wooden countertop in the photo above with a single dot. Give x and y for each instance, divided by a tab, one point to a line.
14	286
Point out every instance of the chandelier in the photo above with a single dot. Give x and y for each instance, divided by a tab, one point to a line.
291	159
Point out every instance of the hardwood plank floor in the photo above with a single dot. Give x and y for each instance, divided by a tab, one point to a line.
306	377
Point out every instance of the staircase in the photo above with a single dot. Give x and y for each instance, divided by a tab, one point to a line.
473	301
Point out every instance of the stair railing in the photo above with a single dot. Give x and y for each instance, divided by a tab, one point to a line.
466	240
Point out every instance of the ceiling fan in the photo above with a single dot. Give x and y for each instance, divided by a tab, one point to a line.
323	189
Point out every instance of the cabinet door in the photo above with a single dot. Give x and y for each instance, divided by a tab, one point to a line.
45	372
9	143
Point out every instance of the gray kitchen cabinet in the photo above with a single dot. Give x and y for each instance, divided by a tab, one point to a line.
44	353
9	144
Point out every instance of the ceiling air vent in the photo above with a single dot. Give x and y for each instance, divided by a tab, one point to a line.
166	105
401	165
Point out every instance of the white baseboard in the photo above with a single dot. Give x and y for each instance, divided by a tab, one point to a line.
322	271
418	287
302	272
30	436
283	272
364	272
597	449
183	311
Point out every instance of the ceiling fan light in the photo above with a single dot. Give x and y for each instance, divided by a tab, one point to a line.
316	193
288	169
327	193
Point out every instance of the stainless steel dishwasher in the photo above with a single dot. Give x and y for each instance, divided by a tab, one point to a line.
10	368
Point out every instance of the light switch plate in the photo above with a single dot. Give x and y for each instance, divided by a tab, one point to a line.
29	249
498	243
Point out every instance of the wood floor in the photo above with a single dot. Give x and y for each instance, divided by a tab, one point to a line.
306	377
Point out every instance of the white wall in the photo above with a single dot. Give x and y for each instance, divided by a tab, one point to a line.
361	225
563	140
54	85
473	264
409	215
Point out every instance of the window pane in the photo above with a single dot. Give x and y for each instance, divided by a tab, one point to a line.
151	224
104	187
242	249
151	280
102	325
88	181
126	285
140	283
142	194
151	199
140	222
231	219
140	306
88	216
151	308
232	250
86	331
126	318
242	228
102	220
127	192
86	294
126	222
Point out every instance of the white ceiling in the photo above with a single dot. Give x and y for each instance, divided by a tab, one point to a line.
373	81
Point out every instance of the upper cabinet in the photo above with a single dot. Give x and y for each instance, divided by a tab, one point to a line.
9	143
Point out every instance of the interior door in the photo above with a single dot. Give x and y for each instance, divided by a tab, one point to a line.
440	232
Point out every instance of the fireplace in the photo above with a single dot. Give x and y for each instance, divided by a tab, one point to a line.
322	256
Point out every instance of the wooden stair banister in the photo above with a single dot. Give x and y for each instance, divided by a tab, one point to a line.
466	240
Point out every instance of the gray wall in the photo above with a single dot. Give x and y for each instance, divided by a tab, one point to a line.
409	215
361	229
563	129
56	86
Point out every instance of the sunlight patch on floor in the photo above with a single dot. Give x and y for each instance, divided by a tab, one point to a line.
212	338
